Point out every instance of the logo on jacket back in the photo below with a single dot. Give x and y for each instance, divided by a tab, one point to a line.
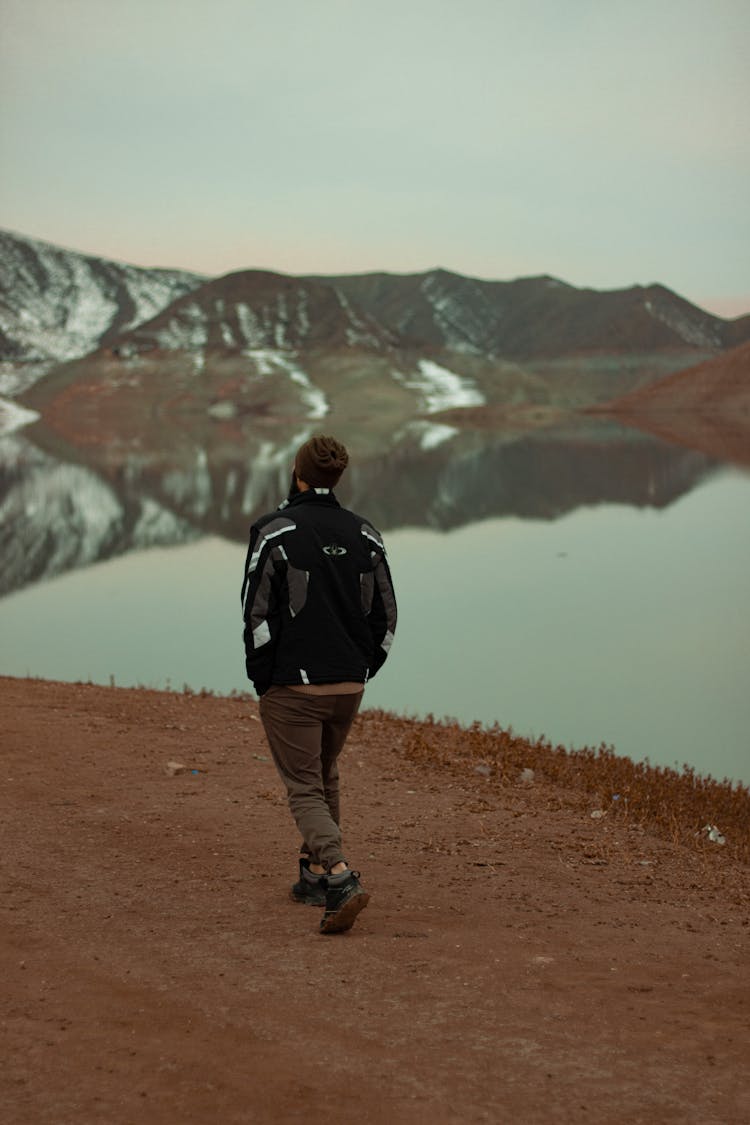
334	550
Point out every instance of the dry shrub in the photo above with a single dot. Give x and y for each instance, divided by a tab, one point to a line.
677	805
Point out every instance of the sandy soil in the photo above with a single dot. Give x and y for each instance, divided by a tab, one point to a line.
519	960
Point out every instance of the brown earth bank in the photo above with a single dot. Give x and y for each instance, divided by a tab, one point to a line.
705	407
520	960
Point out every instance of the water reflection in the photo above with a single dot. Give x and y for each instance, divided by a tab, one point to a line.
611	624
64	506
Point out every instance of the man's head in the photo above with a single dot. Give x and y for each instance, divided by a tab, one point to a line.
320	462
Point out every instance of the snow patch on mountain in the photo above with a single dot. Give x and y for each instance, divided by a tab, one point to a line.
281	321
445	390
464	317
14	380
91	310
358	332
14	417
57	304
440	388
185	331
303	315
698	332
249	325
269	362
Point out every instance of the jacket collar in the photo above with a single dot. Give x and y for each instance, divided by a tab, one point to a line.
312	496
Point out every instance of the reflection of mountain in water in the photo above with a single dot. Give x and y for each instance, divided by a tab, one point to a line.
62	508
56	517
541	475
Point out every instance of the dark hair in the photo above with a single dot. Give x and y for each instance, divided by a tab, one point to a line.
321	461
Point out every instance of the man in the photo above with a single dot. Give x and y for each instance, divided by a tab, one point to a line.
320	614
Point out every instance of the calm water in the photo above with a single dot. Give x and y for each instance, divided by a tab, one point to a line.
610	623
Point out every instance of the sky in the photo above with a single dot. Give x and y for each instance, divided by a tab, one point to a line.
602	143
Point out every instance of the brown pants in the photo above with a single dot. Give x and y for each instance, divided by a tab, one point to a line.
306	734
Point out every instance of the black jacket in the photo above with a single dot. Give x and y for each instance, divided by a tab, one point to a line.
317	596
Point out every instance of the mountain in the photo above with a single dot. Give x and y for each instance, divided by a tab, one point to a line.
253	345
531	319
534	318
140	349
57	304
257	309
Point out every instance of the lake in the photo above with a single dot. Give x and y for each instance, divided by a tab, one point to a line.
598	595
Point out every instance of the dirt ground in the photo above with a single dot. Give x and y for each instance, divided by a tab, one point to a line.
519	961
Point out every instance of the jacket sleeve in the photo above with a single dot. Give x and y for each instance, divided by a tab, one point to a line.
261	609
383	613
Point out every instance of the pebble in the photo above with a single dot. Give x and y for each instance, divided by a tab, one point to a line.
173	769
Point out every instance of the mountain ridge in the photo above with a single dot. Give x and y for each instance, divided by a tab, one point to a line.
535	317
249	309
57	305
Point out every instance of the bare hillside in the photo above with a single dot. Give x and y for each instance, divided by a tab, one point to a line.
705	407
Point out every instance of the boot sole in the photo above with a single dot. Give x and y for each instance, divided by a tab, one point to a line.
346	915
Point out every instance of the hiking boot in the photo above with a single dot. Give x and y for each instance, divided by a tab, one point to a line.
345	897
310	889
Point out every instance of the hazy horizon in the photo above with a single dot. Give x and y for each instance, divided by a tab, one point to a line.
603	146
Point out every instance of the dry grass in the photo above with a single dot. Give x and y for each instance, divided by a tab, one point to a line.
677	806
